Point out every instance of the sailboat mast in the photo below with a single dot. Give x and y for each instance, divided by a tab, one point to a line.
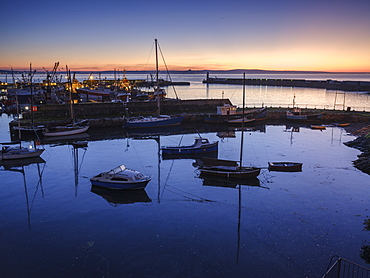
31	88
69	82
242	138
157	77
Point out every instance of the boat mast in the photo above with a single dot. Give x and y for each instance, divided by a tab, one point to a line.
157	79
69	82
242	138
32	102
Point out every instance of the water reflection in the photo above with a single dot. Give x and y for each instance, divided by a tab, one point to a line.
76	147
19	167
120	197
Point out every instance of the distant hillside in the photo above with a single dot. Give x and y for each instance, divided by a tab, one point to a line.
233	71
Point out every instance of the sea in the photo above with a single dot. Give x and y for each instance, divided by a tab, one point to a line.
54	223
255	96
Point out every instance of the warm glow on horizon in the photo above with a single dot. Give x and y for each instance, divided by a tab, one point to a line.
332	36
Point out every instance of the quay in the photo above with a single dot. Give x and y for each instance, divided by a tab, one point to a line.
363	86
108	114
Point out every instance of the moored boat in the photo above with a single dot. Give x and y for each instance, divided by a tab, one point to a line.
296	115
285	166
228	169
19	152
201	145
320	127
64	130
121	178
153	121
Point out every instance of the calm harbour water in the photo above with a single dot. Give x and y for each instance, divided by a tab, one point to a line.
258	96
53	225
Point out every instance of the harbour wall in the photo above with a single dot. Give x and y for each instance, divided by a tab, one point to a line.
109	109
323	84
111	114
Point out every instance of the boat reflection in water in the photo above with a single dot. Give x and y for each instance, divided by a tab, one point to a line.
119	197
19	167
208	181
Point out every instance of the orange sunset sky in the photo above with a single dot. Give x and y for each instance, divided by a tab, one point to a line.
270	35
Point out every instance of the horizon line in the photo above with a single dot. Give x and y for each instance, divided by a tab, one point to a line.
3	71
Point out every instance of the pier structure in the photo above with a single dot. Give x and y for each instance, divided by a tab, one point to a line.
329	84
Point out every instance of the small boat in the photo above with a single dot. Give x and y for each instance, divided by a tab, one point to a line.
241	120
153	121
19	152
121	178
67	130
285	166
201	145
228	169
296	115
343	124
320	127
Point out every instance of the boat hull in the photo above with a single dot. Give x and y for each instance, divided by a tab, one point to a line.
21	154
213	147
118	185
285	166
308	117
66	132
239	173
154	122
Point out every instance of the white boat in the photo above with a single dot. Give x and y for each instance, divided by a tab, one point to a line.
64	130
121	178
19	152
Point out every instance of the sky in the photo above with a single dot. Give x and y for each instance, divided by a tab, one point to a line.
315	35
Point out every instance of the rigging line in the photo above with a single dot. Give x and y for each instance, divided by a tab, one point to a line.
200	199
168	73
150	54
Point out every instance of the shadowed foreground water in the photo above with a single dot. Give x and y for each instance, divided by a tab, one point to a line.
53	224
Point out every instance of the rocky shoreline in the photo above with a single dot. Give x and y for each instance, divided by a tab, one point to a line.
362	143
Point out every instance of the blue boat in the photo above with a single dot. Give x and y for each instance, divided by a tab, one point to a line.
153	121
201	145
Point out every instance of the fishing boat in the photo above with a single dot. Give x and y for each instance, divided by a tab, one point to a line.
230	169
121	178
200	145
159	120
18	152
296	115
69	129
285	166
